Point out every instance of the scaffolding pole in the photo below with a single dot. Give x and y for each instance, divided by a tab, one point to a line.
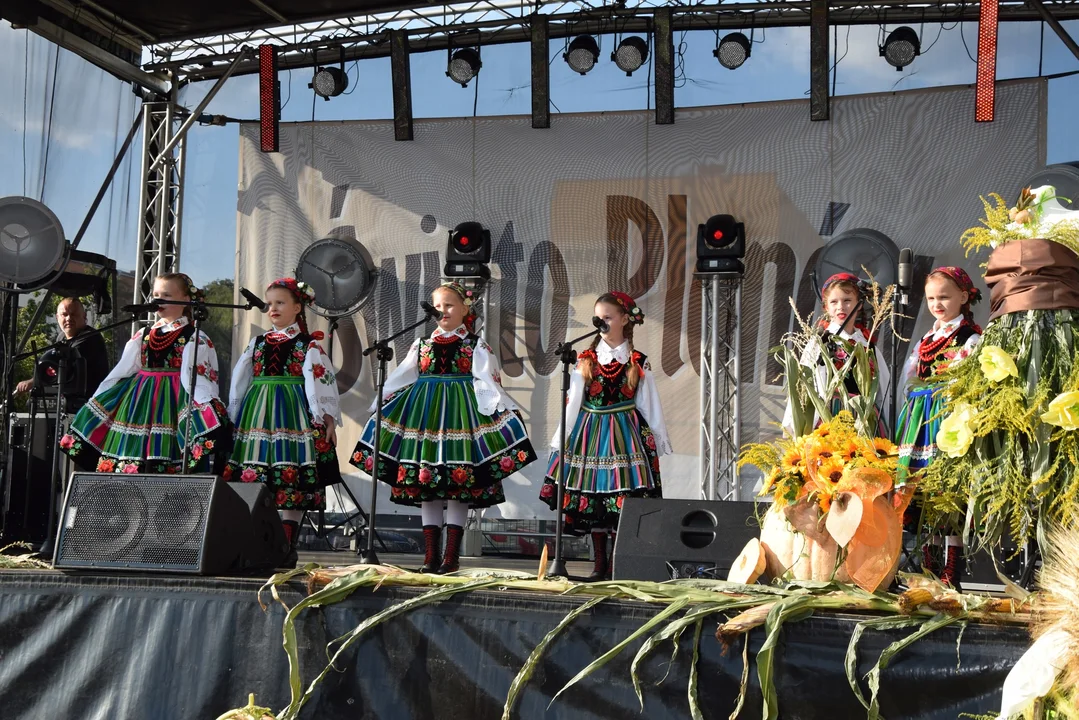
160	196
721	412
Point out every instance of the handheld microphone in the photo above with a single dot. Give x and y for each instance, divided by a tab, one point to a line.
600	325
152	306
254	301
431	311
906	274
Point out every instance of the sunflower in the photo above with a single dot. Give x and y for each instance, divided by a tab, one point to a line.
829	473
769	482
881	449
818	453
850	450
791	461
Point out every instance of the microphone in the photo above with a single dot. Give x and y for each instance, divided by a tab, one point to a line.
431	311
253	300
906	274
600	325
152	306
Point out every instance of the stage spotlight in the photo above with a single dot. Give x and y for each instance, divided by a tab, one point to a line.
630	54
469	251
901	47
721	245
582	54
463	66
733	50
330	82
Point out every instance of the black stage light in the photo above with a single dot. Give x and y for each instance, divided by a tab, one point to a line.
469	251
464	65
330	82
901	47
721	245
582	54
733	50
630	54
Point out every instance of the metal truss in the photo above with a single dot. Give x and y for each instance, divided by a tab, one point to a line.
433	27
161	197
721	370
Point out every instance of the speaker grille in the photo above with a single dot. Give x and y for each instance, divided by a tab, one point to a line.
155	522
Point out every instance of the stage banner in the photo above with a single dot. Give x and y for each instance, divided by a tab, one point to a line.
612	201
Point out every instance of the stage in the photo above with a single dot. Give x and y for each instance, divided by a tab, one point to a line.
118	646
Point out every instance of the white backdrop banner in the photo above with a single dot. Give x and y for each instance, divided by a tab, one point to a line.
612	201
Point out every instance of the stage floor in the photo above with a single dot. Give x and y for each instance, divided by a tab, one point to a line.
411	561
97	645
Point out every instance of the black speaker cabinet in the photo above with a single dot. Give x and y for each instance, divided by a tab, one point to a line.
664	539
27	476
196	524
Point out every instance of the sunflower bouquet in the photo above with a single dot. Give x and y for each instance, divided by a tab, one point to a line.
820	466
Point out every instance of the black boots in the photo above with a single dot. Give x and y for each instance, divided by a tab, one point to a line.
292	532
601	568
451	561
432	548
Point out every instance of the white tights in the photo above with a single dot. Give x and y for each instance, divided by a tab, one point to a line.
293	515
456	512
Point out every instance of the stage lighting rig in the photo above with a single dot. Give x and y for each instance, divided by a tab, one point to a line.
630	54
468	251
464	64
901	47
330	82
721	245
733	50
582	54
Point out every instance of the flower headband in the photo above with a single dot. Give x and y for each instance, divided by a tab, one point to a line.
466	295
959	277
629	305
301	290
842	277
193	291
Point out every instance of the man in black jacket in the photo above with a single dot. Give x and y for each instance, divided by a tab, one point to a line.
86	341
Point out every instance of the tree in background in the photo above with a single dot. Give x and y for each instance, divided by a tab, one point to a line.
219	326
46	333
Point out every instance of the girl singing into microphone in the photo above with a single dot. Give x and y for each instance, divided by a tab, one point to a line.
450	433
617	435
137	420
285	406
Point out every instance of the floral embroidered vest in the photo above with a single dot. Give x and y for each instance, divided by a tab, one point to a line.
610	383
282	358
447	355
936	356
165	350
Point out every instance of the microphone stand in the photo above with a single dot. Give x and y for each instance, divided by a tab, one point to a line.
64	347
899	300
568	356
383	354
199	311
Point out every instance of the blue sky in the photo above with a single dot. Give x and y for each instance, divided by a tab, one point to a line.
92	111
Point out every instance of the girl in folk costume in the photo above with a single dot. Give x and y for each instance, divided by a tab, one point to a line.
618	433
450	433
137	420
843	299
949	294
285	407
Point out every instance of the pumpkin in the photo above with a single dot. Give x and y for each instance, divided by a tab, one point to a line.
797	544
249	712
749	564
795	541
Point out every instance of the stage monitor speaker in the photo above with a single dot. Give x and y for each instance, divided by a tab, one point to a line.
196	524
664	539
27	475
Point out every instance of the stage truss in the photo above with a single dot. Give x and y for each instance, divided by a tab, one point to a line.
721	369
483	22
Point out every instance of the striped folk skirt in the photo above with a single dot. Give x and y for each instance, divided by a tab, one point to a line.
278	443
919	421
437	445
139	424
610	455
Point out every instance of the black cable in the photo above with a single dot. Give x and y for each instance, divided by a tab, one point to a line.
964	37
289	97
1041	47
48	131
25	83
